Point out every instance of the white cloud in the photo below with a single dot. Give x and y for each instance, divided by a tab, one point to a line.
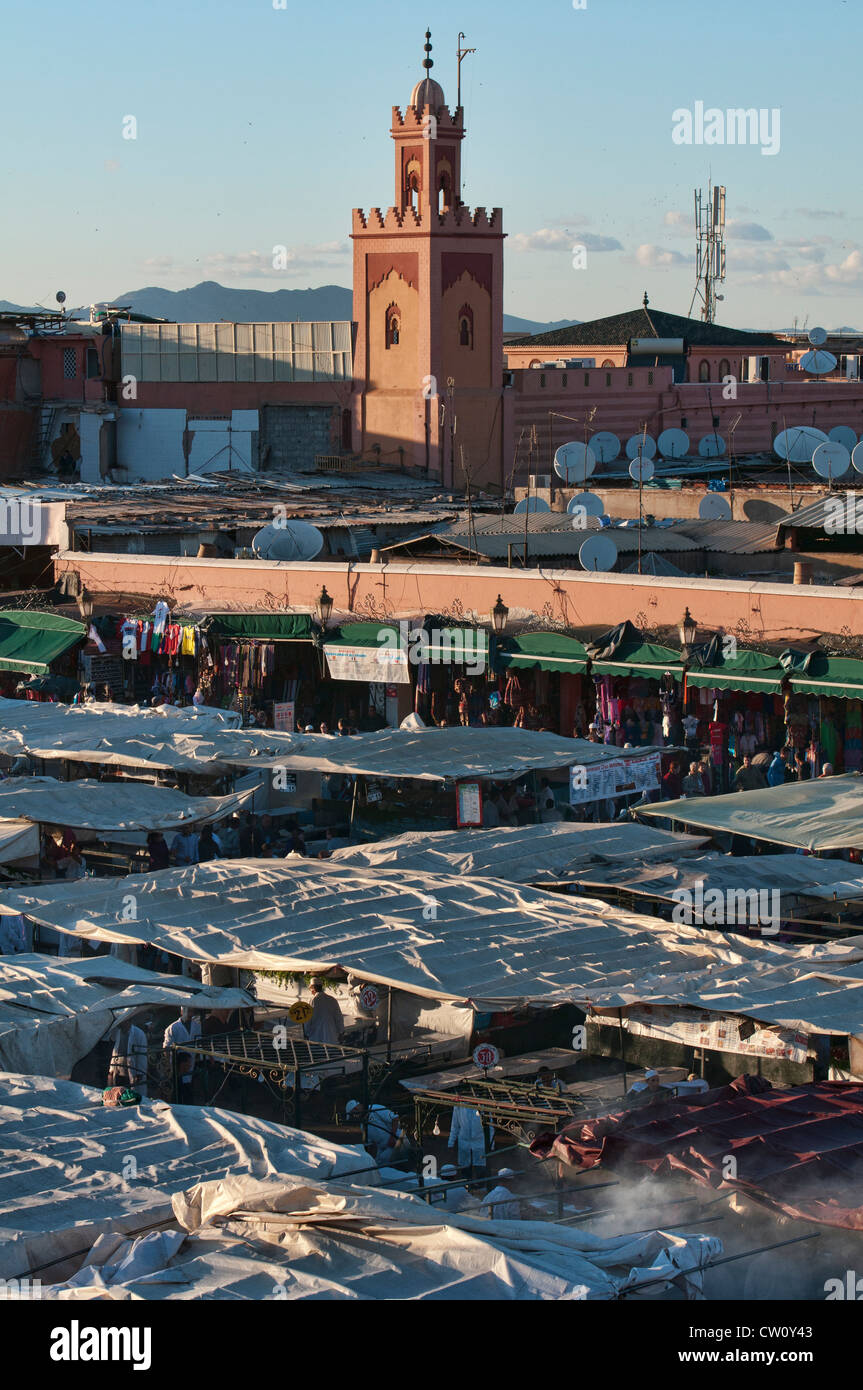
559	239
258	264
658	258
748	231
678	219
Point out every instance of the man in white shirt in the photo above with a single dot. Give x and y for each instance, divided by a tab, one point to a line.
184	1029
466	1132
326	1024
500	1204
383	1128
184	847
128	1066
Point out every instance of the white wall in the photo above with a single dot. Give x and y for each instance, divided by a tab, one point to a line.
150	444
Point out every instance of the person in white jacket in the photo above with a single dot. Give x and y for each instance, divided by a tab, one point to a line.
128	1066
466	1132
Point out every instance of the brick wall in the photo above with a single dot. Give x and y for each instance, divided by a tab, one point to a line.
291	435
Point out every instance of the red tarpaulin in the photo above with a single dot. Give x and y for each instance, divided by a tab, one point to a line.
799	1151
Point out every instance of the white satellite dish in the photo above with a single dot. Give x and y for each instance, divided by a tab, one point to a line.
673	444
712	446
799	443
843	434
605	445
831	460
818	361
598	553
642	470
574	462
817	336
641	446
714	507
857	457
586	502
530	504
288	540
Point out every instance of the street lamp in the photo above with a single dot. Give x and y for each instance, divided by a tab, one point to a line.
85	605
499	615
324	606
688	629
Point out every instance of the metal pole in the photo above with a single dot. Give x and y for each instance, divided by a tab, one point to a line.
622	1047
297	1090
390	1023
418	1131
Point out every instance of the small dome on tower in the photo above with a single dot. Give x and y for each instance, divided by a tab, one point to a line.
427	92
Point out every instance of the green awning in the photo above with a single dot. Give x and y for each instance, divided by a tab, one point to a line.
363	635
261	627
747	671
30	640
640	659
837	676
543	651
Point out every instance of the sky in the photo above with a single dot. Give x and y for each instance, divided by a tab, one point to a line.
261	123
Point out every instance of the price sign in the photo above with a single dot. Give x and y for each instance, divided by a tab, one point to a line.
369	997
301	1011
486	1056
373	793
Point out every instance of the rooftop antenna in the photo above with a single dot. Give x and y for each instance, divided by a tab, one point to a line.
709	249
460	54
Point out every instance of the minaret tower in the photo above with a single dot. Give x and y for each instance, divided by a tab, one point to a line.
428	304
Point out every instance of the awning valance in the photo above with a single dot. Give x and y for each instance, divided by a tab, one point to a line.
747	671
640	659
819	674
262	627
31	640
366	652
544	651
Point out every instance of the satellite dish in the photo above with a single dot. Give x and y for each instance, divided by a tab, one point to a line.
818	361
530	504
712	446
843	434
714	507
587	502
598	553
799	443
574	462
642	470
289	540
857	457
817	336
60	296
831	460
605	445
641	445
673	444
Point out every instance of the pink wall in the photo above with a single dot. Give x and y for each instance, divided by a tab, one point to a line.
221	397
765	611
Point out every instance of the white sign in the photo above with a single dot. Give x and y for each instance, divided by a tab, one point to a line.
486	1056
283	717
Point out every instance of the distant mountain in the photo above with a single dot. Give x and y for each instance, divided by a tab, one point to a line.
210	302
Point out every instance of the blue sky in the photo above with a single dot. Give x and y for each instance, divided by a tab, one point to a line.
259	127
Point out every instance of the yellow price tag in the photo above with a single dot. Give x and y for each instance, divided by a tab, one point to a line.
301	1011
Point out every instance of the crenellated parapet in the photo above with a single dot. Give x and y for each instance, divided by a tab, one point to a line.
456	221
415	121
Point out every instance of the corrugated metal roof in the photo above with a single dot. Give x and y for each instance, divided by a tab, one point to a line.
563	541
811	517
731	537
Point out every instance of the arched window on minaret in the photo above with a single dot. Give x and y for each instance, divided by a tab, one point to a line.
393	326
412	185
465	326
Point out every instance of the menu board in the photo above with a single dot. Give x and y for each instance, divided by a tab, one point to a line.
283	717
468	804
616	777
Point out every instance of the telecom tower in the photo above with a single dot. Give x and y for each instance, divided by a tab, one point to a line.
709	250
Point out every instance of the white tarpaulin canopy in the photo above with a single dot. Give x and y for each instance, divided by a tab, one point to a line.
468	939
819	814
297	1239
107	806
89	733
519	854
19	839
792	876
53	1012
71	1168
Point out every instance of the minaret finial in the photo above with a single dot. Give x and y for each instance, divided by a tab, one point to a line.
428	61
645	301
